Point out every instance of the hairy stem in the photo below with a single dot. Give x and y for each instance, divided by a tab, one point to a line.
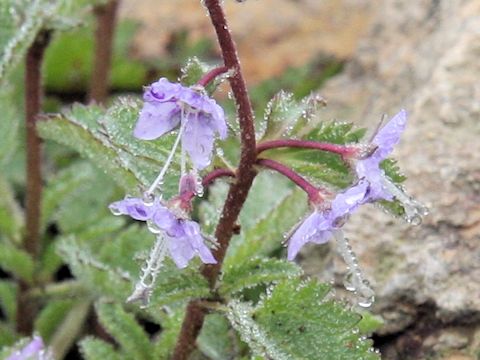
238	191
311	190
33	103
343	150
211	75
106	19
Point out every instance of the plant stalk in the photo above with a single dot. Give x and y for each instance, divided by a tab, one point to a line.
33	104
238	191
313	193
106	21
343	150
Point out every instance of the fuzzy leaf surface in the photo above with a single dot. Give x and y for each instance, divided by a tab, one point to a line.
296	322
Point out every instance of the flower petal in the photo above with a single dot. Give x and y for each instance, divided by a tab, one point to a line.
133	207
192	231
389	135
347	201
197	140
181	250
308	231
162	90
164	219
156	119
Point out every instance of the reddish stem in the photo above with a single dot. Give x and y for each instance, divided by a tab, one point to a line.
343	150
106	19
238	191
312	191
33	104
211	75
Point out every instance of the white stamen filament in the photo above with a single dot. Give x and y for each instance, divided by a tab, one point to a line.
144	286
162	173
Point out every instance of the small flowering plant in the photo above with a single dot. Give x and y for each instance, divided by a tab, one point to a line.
176	249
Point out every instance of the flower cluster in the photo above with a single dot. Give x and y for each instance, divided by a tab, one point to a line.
169	106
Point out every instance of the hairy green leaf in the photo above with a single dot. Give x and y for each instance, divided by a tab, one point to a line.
216	339
252	272
51	316
105	137
16	261
8	299
7	337
95	349
296	322
11	215
123	327
281	114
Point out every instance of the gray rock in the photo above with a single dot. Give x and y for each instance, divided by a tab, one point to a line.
422	56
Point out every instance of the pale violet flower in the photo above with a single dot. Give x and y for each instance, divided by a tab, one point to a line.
380	186
171	105
184	239
318	228
34	350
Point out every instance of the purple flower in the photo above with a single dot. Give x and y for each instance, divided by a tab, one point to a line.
318	227
380	186
184	237
33	350
169	105
369	168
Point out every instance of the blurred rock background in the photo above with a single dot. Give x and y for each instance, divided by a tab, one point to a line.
419	55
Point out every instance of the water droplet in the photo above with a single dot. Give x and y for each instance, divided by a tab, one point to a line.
153	228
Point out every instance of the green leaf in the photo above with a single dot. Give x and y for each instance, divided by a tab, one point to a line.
17	262
216	338
95	349
7	337
8	299
281	114
51	316
123	327
252	272
109	274
97	276
105	137
70	328
264	227
11	215
171	325
370	323
193	71
21	21
296	322
10	124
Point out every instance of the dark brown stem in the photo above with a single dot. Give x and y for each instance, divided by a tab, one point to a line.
238	191
33	104
343	150
106	19
312	191
211	75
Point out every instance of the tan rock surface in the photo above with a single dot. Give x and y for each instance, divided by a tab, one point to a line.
291	32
